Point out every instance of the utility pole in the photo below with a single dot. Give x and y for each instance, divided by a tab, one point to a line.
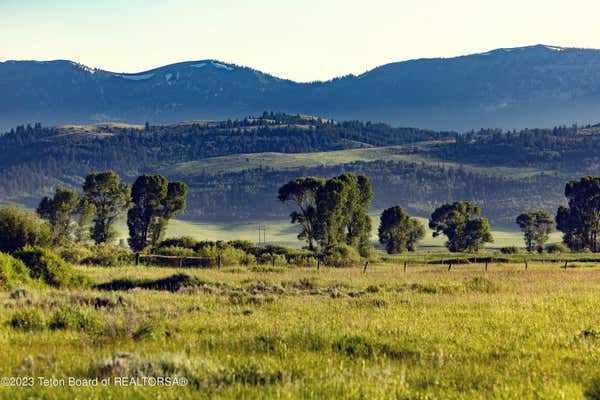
262	234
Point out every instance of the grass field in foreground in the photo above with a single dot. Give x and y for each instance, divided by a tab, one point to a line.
337	333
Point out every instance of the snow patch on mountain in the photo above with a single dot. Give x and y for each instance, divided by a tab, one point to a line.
221	66
141	77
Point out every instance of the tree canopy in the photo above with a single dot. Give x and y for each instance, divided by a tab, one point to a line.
331	212
536	227
110	198
58	211
302	193
462	224
155	200
580	220
398	231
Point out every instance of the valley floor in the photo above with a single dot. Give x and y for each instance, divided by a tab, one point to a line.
283	233
300	333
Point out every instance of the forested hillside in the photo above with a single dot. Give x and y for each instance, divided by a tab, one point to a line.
234	167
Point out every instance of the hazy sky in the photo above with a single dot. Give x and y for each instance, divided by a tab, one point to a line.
302	40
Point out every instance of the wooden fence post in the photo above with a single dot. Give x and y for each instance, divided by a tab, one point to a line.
180	262
318	263
404	266
273	259
449	265
486	265
218	261
566	263
137	259
526	265
365	268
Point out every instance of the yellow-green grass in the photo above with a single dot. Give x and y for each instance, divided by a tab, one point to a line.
287	161
336	333
284	233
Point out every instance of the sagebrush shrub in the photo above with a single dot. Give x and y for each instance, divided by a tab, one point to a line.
29	320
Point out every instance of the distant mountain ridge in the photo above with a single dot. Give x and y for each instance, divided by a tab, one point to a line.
507	88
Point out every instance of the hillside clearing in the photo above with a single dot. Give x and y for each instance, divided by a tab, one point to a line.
290	161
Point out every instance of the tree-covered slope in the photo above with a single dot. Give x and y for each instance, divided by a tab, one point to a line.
235	167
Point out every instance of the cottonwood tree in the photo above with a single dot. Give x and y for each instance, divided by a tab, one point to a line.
398	231
358	221
536	227
580	220
462	224
59	211
301	193
110	198
331	212
83	218
155	201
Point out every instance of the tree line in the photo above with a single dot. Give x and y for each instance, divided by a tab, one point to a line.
149	205
38	159
334	212
332	215
32	155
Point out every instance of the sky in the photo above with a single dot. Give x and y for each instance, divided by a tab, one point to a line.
303	40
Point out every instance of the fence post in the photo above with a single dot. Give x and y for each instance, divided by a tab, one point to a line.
566	262
404	266
486	265
365	268
273	259
449	265
218	261
318	263
137	259
526	265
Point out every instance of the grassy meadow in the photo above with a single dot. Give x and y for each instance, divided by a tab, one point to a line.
264	332
283	233
291	161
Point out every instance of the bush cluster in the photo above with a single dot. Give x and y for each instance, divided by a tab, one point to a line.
13	272
20	228
557	248
510	250
108	255
46	266
341	256
237	252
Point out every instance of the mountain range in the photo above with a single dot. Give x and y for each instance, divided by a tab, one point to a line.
534	86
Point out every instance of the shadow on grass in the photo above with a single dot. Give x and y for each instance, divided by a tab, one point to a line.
171	283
